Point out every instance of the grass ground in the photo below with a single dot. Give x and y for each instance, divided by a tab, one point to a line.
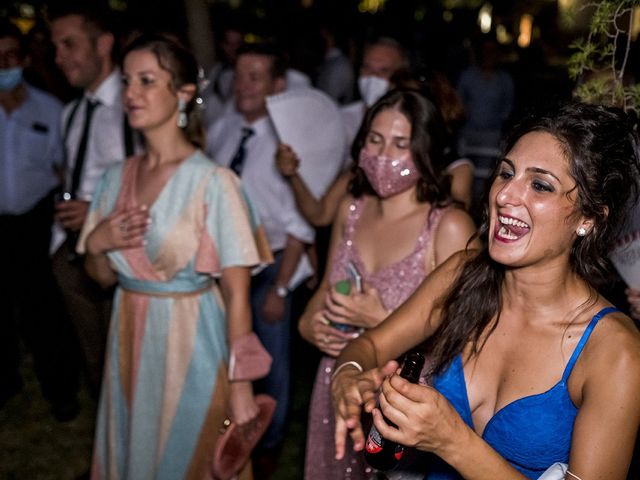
34	446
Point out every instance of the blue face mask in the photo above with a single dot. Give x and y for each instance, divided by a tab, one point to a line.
10	78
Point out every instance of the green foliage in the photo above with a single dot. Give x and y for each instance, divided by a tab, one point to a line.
600	60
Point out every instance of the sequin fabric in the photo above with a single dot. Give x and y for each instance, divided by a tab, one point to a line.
389	176
395	283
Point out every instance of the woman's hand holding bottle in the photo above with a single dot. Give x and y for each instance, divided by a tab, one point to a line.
362	309
422	417
327	338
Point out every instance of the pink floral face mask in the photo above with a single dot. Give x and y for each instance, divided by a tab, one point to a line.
388	176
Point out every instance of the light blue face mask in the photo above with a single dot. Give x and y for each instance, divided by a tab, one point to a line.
10	78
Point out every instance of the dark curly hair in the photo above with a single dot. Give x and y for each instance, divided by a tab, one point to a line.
601	146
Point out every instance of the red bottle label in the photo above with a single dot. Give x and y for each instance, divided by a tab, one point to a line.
374	441
399	452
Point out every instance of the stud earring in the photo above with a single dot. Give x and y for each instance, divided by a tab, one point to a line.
582	232
182	114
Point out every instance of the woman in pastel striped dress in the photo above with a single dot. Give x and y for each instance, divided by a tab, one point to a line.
179	237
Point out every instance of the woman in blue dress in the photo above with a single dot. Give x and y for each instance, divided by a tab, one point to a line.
531	366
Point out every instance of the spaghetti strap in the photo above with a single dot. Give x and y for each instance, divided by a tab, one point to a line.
355	210
583	340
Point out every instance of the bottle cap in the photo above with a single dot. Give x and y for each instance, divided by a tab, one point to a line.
343	287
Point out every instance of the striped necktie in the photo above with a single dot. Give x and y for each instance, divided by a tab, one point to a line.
237	161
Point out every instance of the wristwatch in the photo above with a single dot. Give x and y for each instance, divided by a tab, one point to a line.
281	291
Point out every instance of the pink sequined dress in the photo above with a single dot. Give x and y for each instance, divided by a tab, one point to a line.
394	283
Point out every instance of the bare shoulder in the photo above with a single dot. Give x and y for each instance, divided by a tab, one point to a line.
344	207
616	334
456	220
455	230
613	351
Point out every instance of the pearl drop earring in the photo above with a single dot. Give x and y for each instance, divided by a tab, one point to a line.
182	114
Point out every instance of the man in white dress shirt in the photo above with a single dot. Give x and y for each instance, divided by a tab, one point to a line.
32	310
380	60
95	136
245	141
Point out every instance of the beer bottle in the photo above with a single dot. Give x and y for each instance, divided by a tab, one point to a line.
384	454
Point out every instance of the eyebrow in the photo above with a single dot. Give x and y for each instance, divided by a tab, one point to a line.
396	137
533	169
543	172
143	72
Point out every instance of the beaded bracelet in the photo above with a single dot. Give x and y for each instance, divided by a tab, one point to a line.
346	364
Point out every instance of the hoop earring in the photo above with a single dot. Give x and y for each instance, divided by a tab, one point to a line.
182	113
581	232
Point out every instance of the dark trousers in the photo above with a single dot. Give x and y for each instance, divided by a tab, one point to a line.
32	308
276	338
89	308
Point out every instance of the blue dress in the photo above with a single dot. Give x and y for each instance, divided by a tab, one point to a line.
531	433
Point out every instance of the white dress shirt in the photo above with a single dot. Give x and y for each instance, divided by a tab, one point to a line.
30	152
105	145
352	116
106	136
263	183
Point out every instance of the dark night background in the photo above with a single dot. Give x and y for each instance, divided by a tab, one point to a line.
439	35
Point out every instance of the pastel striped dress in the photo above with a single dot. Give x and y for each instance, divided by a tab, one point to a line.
165	380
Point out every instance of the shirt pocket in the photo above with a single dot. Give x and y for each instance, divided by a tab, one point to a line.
33	148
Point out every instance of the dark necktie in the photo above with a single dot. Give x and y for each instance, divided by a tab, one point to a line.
238	159
82	147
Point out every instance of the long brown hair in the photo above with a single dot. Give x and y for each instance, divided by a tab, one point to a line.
601	146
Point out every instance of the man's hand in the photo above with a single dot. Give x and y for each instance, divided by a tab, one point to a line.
71	214
273	306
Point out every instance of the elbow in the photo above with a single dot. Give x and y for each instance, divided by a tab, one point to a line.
319	217
105	279
312	215
321	220
304	330
301	329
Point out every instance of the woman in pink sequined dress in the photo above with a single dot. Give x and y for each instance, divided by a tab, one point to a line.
395	227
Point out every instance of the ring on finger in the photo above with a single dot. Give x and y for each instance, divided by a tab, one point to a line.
325	321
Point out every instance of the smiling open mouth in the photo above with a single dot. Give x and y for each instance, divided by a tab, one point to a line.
511	228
